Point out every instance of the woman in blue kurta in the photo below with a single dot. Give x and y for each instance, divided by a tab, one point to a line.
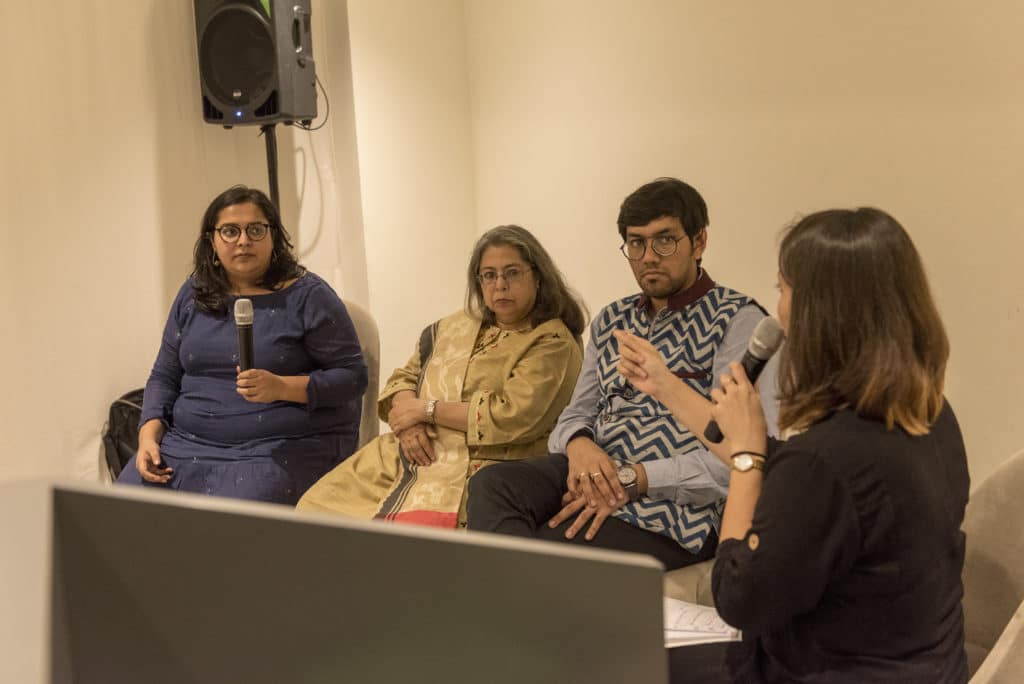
267	433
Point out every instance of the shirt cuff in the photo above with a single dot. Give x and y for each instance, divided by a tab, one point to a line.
582	432
564	431
479	429
661	479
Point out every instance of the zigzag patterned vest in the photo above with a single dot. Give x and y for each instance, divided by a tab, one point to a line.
633	427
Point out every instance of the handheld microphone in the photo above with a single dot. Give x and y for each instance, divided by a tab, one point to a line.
765	341
243	321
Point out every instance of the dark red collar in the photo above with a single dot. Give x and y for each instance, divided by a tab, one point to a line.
683	298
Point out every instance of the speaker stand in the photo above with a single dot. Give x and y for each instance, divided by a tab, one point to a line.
269	132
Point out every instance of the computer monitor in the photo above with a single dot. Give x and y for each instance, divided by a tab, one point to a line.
168	587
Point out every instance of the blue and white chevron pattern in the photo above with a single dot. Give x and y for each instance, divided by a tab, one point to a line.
633	427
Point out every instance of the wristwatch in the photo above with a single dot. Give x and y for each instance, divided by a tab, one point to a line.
629	481
744	462
431	405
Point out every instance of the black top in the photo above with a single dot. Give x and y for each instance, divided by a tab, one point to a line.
851	569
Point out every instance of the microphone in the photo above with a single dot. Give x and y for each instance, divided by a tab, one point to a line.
243	321
765	341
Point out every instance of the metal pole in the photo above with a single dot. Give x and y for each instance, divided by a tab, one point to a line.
270	136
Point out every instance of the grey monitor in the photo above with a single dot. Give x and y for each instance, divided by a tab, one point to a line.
143	586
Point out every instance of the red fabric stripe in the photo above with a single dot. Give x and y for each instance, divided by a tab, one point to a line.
429	518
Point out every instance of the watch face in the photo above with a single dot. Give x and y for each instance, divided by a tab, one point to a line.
743	462
627	476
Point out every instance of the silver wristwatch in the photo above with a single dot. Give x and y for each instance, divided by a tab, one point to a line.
629	481
431	406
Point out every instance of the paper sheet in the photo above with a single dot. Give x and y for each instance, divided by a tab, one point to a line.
689	623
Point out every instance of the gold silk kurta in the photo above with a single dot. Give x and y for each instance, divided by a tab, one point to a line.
516	384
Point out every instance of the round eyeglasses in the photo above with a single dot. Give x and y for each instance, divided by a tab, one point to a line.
230	232
663	245
512	275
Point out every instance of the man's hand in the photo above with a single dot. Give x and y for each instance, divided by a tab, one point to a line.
416	446
592	475
594	515
642	365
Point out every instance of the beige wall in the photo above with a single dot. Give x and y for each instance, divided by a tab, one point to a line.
410	85
772	110
106	169
449	117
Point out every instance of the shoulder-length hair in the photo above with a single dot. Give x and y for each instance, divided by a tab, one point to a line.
863	329
209	281
554	298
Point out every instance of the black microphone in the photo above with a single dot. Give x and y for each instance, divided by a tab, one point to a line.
765	341
243	321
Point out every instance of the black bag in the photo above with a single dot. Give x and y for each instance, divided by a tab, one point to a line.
121	432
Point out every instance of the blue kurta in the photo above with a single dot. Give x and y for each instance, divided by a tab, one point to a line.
219	443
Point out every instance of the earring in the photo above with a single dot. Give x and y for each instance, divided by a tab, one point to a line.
273	255
216	261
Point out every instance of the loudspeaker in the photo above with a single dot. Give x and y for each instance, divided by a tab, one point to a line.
255	61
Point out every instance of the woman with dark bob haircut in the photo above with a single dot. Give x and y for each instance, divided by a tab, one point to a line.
269	432
841	550
483	385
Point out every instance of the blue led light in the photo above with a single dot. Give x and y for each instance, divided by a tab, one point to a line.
238	114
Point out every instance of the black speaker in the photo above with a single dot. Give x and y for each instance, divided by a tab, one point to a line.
256	61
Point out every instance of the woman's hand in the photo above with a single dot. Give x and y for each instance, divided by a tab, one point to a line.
260	386
642	366
737	410
416	445
406	411
148	462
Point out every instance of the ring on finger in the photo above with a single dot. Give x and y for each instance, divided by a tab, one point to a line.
596	475
581	477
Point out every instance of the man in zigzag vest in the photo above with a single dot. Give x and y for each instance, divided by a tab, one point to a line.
623	472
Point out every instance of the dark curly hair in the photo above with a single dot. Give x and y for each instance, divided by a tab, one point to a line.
209	281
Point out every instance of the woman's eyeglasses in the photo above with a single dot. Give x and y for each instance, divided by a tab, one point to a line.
230	232
512	275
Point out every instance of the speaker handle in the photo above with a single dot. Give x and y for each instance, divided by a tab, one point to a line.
300	17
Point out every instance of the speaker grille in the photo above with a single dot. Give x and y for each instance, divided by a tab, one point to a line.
210	112
268	108
237	57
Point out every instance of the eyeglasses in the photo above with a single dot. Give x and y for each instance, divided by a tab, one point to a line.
634	249
230	232
512	275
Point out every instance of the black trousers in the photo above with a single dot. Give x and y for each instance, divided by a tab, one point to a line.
519	497
702	664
